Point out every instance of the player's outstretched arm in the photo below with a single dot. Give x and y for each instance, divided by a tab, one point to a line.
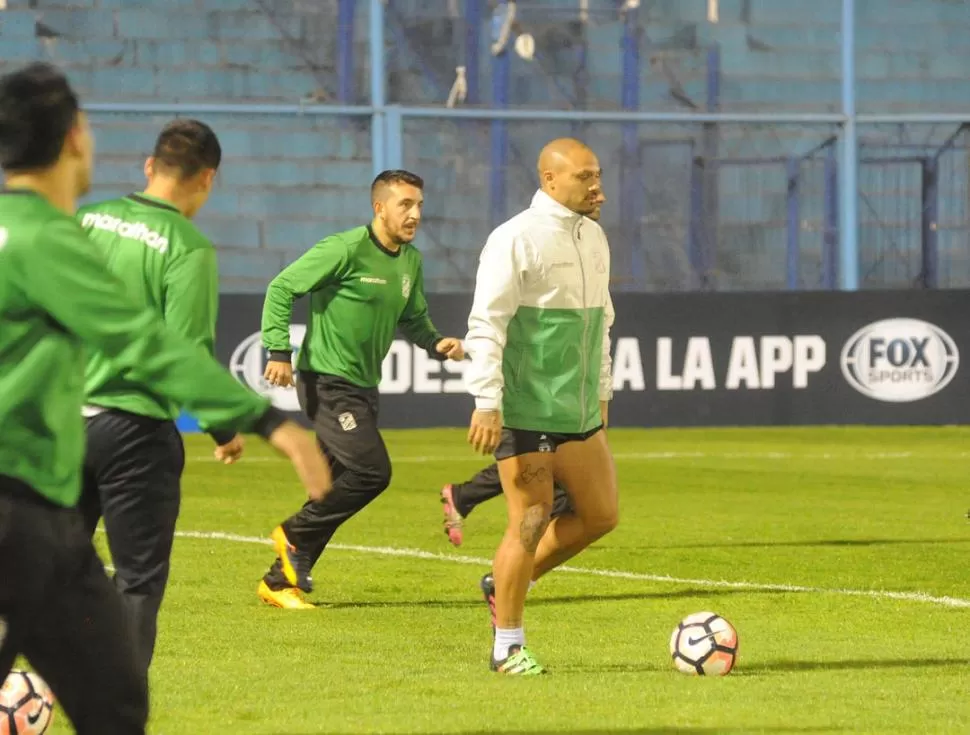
498	288
70	281
191	296
417	326
324	263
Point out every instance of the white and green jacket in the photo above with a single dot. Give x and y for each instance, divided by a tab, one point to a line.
539	328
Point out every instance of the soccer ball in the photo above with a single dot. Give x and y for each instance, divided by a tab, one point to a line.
26	704
704	643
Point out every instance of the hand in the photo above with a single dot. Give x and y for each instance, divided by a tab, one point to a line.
451	347
605	410
485	431
279	373
230	451
303	451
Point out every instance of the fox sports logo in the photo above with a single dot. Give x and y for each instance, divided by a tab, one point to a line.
248	363
900	360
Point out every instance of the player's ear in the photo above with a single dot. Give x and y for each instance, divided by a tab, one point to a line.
208	178
77	134
149	167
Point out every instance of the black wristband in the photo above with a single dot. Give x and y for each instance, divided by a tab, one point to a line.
280	355
269	422
222	437
432	349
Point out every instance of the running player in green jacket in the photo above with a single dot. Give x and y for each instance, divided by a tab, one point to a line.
134	460
363	285
57	298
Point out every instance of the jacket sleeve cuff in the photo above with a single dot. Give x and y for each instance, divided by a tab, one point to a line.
280	355
269	422
432	349
221	437
487	404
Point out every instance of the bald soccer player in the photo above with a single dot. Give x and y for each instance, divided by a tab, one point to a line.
459	499
540	373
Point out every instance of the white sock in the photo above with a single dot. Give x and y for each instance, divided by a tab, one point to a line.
505	638
532	584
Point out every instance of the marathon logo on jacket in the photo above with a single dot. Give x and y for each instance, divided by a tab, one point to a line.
128	230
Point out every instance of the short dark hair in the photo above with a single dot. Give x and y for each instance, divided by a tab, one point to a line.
394	176
38	108
187	146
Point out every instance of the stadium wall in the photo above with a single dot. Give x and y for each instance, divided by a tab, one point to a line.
745	359
715	177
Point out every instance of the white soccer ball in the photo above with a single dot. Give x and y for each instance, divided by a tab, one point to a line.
704	644
26	704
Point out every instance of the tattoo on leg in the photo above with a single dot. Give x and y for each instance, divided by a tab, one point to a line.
530	475
532	527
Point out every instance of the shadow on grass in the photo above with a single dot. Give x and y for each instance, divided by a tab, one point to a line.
819	543
772	667
534	601
671	730
768	668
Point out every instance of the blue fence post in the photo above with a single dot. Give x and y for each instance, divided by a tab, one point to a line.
711	215
793	226
581	77
394	140
473	34
849	168
378	95
830	237
930	274
499	159
695	230
345	51
631	175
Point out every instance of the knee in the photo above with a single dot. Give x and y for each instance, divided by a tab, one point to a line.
602	523
533	525
378	473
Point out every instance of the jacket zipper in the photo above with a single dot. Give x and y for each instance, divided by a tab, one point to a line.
577	236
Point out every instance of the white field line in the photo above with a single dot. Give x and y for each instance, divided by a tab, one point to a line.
650	456
613	573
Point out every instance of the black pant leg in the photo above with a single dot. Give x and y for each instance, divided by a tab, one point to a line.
486	485
67	619
137	463
561	504
344	417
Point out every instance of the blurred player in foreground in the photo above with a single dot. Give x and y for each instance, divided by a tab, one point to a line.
363	284
134	460
57	299
539	339
461	498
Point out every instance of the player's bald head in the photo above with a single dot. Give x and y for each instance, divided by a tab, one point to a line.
570	173
562	153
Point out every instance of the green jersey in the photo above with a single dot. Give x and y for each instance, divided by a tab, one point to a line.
361	292
167	265
56	297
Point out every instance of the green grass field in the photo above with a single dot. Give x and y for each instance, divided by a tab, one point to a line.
801	538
